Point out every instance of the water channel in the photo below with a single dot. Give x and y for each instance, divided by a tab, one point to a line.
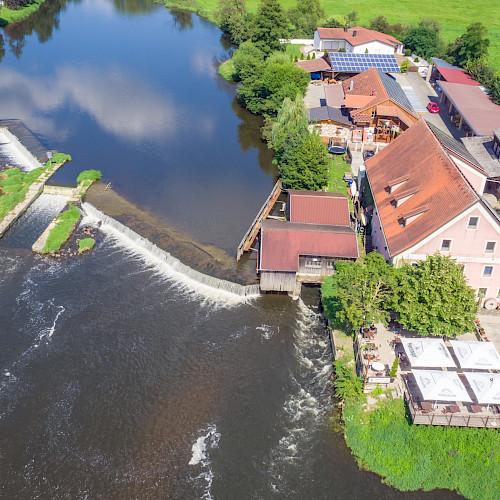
121	375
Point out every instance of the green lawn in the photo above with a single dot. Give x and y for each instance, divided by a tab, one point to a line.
293	49
66	222
335	175
453	15
424	457
8	16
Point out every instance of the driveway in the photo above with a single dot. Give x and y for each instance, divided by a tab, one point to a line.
426	93
314	95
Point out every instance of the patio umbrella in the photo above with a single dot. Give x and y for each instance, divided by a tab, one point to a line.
486	386
429	353
437	385
476	355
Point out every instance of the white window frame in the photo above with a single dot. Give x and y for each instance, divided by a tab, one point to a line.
486	244
441	249
485	292
477	225
488	275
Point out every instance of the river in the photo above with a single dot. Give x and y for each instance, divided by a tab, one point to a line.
121	375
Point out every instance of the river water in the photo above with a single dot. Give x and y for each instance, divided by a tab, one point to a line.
119	376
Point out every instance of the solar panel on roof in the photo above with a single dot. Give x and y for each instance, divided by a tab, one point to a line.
356	63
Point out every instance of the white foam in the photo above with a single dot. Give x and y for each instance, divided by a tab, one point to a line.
212	289
15	153
267	331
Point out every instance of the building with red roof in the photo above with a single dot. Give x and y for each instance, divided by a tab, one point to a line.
356	40
427	192
316	235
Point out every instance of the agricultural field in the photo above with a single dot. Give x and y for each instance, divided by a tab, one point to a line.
454	16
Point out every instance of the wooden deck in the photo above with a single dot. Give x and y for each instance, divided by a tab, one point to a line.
463	416
254	229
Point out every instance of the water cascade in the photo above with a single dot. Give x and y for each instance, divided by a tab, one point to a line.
14	153
210	287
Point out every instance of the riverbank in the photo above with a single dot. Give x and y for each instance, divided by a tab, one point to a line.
9	16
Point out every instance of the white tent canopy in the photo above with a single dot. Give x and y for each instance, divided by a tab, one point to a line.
476	355
429	353
437	385
486	386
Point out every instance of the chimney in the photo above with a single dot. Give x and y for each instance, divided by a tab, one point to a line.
351	86
354	33
346	28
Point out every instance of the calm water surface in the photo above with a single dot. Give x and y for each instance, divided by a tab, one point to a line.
117	380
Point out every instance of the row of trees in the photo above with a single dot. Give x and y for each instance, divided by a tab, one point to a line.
430	298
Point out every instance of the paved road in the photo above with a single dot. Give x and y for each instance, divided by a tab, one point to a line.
426	94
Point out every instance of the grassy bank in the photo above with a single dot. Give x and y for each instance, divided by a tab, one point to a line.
14	185
8	16
85	245
454	16
227	70
63	229
423	457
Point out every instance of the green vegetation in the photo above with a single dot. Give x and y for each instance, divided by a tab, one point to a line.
17	10
348	386
85	244
430	298
58	158
89	175
270	24
423	457
338	167
14	185
293	49
434	298
66	222
404	66
227	70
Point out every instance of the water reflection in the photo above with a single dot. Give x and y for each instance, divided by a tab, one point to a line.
183	20
118	101
134	7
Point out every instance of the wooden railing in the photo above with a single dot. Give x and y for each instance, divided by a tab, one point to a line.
254	229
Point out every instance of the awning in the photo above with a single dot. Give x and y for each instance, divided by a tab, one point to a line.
436	385
430	353
486	386
476	355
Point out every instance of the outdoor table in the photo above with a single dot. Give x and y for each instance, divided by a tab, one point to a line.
454	409
476	408
426	406
378	367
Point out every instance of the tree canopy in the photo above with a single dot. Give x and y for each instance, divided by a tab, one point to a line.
434	299
424	39
305	17
270	25
306	167
234	20
473	44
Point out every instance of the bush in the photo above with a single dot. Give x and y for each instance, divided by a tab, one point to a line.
314	55
65	224
89	175
394	369
86	244
404	66
417	59
408	52
347	385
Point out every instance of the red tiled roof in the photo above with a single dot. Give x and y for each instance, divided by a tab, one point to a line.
318	207
367	83
282	242
314	65
334	96
440	191
363	35
458	76
480	112
387	111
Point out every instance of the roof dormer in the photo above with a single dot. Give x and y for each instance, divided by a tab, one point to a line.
395	184
407	218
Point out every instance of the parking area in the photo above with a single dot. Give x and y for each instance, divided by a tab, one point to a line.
426	94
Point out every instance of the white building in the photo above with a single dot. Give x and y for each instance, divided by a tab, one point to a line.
356	40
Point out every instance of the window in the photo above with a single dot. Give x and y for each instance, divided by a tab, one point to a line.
488	271
490	247
315	263
482	292
445	245
330	264
473	223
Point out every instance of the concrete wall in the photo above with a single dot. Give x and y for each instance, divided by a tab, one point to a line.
62	190
374	47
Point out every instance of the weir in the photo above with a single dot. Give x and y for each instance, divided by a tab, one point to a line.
14	152
213	288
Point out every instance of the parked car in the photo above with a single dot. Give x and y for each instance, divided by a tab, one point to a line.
368	154
433	107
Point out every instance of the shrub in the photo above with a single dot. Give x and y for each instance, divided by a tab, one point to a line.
408	52
58	235
377	391
417	59
394	369
366	51
89	175
347	385
404	66
308	57
86	244
314	55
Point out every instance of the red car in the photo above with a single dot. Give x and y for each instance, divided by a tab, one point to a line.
433	107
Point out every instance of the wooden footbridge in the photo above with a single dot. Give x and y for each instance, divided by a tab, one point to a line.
254	229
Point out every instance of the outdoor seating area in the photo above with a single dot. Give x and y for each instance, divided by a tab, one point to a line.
444	382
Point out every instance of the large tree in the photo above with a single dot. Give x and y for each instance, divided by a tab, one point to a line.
424	39
473	44
434	299
234	20
269	26
290	128
359	293
305	17
306	167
